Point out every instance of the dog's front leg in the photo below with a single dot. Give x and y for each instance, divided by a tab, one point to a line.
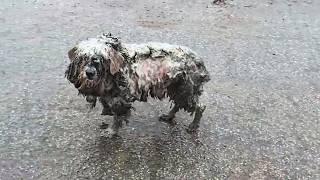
117	123
106	106
194	125
114	129
92	100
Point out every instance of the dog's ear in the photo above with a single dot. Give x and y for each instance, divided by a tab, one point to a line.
116	61
72	54
72	71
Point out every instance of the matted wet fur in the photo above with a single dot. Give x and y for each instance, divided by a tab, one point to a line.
119	74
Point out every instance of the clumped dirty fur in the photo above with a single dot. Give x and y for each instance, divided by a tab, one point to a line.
118	74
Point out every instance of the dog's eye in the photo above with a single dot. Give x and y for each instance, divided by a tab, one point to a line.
96	60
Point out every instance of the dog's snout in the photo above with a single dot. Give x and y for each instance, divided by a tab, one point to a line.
90	73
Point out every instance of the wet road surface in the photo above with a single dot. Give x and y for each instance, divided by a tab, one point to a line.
263	102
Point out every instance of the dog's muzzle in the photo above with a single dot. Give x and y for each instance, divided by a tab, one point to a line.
91	73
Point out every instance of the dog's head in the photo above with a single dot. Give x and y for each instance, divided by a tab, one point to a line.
93	62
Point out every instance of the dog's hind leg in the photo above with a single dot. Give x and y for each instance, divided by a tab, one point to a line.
169	118
194	125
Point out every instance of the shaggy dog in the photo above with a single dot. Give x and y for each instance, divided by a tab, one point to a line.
119	74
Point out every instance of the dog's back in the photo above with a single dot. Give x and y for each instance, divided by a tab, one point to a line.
156	50
180	57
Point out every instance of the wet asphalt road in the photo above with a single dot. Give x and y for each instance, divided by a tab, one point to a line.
263	102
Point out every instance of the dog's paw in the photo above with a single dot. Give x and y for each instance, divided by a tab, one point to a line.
109	133
106	111
168	119
104	125
90	106
192	128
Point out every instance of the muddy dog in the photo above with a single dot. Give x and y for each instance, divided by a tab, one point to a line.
119	74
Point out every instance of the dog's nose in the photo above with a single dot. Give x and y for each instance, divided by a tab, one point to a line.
90	73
